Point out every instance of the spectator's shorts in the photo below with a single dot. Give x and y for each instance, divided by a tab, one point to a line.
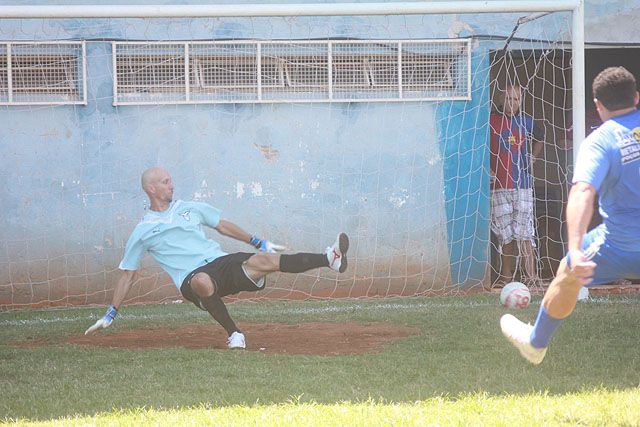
512	215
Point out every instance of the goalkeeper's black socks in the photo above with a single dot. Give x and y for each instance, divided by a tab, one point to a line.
218	310
301	262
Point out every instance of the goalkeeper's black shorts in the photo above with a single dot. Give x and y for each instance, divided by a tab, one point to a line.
227	273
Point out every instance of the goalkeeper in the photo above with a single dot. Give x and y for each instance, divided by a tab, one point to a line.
171	232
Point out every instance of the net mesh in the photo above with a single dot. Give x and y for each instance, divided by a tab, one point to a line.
296	128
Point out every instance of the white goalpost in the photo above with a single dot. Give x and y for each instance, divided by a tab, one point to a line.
297	120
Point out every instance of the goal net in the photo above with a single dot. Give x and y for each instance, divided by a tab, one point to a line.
295	127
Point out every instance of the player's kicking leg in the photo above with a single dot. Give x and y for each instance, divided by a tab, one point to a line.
558	303
334	257
519	334
532	341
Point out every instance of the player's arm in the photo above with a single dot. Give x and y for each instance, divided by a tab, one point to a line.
494	148
579	213
592	166
537	141
123	286
229	229
122	289
536	150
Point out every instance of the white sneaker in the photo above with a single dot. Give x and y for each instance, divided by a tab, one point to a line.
337	254
519	334
236	341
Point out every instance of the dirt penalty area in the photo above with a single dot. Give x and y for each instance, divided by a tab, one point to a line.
314	338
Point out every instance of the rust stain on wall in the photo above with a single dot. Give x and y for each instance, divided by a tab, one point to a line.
268	152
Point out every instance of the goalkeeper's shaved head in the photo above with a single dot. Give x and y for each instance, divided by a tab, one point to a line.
156	182
151	176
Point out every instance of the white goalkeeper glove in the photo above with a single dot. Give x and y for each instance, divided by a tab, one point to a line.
265	245
103	322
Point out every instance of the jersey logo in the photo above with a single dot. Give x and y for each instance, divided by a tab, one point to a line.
509	138
186	215
629	146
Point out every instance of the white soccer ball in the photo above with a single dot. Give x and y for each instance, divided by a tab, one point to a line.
515	295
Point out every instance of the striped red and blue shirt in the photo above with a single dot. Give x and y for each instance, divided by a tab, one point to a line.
510	145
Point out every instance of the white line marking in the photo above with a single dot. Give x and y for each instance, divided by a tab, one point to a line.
356	307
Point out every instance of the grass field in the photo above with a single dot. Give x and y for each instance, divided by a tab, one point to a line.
458	371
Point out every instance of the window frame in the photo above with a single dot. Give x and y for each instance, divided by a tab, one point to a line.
73	64
288	83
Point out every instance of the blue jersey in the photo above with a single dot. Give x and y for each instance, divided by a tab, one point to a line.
175	239
609	159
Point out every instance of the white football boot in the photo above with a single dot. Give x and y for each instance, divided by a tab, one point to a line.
519	334
236	341
337	254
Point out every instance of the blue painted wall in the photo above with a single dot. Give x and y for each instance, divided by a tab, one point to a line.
464	133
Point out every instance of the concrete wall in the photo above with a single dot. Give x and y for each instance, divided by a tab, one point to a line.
297	173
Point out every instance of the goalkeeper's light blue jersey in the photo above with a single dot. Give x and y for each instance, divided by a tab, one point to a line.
175	239
609	159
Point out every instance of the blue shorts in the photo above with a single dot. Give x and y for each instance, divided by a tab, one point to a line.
611	263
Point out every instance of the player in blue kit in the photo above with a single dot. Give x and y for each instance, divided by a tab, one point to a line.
608	164
172	233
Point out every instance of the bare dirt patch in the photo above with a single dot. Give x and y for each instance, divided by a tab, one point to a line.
315	338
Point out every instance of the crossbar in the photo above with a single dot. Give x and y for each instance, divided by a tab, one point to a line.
311	9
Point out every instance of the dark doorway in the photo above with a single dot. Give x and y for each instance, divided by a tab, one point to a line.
546	75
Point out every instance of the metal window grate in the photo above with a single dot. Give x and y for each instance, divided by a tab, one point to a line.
295	71
148	72
42	73
223	72
290	71
436	74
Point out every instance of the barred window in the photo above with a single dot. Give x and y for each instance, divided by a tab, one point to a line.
146	72
290	71
437	74
42	73
224	71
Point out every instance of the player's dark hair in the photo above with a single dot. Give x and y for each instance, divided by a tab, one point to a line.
615	88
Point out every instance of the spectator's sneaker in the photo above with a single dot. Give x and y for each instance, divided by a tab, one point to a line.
519	334
337	254
236	341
